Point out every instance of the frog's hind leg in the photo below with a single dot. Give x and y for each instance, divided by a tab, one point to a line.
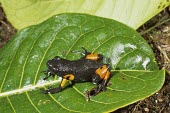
82	53
104	74
90	55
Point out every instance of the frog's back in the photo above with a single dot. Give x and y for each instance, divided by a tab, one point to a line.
82	69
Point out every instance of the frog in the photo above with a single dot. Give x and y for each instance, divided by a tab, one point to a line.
89	68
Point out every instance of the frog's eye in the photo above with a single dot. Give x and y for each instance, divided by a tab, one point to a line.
57	58
49	63
55	69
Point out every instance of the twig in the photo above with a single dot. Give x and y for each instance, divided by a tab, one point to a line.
156	25
164	53
5	25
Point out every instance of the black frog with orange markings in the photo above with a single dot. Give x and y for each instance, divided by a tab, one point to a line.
89	68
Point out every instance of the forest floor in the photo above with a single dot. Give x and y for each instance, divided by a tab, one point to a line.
157	33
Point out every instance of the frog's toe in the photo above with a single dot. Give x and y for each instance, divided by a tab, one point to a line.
52	90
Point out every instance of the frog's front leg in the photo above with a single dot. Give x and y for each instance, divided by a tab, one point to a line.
62	84
48	74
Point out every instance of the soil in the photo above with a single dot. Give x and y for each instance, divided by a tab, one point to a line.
157	33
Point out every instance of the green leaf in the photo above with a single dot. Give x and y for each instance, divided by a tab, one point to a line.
134	13
135	74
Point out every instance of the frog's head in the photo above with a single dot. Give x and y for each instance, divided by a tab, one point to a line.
53	67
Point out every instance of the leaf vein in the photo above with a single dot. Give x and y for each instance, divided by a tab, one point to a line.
11	104
32	102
